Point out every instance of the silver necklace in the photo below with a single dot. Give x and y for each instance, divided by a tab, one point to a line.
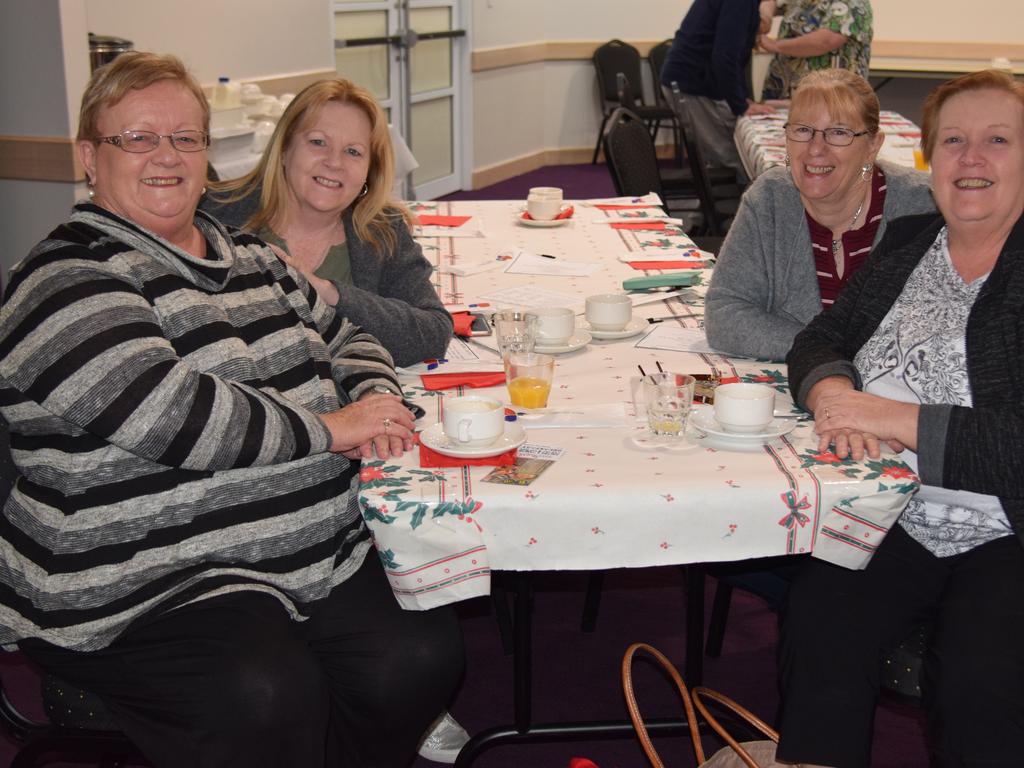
838	240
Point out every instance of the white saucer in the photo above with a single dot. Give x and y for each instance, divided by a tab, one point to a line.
542	222
579	339
436	440
635	326
703	418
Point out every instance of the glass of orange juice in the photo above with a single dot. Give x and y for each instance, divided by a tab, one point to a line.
529	376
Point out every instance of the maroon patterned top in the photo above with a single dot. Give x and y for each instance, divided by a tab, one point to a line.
856	244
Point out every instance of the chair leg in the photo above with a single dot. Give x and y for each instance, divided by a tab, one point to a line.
719	617
600	135
592	601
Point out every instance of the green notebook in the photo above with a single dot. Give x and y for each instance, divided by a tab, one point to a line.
685	279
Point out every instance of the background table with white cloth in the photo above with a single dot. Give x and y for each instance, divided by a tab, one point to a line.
761	140
614	498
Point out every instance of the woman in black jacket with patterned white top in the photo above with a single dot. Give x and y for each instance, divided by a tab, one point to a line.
924	351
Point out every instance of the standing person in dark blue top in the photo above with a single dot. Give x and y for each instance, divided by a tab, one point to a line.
708	60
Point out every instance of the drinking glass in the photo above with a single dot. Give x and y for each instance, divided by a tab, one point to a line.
529	376
669	398
515	331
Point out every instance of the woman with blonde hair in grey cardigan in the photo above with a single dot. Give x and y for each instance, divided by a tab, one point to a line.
803	230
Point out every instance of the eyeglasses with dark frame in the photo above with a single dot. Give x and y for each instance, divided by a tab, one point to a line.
837	137
147	141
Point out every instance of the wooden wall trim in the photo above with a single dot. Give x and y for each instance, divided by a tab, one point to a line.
40	158
582	50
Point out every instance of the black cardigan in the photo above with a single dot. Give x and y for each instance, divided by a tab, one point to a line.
977	449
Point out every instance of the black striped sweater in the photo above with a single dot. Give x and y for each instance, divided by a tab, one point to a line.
162	412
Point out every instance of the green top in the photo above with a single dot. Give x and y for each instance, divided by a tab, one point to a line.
335	267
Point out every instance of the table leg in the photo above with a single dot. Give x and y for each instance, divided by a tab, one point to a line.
693	663
523	730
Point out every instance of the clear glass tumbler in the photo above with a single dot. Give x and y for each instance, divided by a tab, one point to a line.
669	399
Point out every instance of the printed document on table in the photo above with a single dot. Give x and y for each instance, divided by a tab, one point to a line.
530	296
526	263
672	337
460	357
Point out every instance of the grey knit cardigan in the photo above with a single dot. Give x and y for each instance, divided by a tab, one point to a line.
764	288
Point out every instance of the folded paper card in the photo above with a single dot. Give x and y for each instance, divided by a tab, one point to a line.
655	226
437	220
436	381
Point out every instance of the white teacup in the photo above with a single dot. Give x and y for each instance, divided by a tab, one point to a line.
744	408
473	420
547	193
555	325
609	311
543	208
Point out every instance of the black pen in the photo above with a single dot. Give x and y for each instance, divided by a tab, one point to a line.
546	256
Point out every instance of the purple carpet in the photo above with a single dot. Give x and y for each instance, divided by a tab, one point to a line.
576	674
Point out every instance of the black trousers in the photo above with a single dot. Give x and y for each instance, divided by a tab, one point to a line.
837	621
234	681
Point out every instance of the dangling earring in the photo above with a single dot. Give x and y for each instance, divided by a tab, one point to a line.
90	184
366	188
786	159
865	171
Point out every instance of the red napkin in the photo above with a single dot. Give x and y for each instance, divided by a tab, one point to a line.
564	214
621	207
435	220
653	225
666	264
429	458
436	381
462	322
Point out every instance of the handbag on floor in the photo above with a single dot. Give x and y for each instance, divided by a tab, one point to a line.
749	754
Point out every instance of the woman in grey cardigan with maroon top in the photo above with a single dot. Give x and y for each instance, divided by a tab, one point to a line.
802	231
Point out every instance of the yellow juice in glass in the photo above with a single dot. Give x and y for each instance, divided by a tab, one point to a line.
529	391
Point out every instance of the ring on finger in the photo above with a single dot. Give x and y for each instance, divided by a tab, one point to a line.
387	424
826	412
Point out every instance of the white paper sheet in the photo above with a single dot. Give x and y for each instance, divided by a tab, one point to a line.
651	198
674	254
670	336
473	227
469	268
592	416
526	263
530	296
634	214
460	357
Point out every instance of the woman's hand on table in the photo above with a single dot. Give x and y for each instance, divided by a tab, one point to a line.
374	423
841	414
324	288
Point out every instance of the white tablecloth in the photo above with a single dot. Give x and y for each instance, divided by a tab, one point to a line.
612	500
762	143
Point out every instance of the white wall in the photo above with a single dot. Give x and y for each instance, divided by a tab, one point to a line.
238	38
980	21
40	100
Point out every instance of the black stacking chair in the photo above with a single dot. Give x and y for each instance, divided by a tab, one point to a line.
633	164
718	202
610	59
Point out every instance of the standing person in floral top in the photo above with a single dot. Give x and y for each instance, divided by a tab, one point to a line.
817	34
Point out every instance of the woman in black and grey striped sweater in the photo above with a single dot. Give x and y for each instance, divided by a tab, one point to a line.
186	418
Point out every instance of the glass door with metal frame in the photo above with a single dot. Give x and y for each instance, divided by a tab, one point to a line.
413	55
